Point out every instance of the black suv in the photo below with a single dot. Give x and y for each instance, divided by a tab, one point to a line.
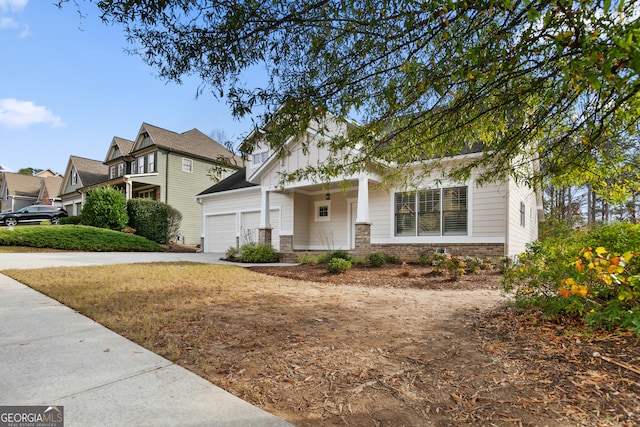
33	213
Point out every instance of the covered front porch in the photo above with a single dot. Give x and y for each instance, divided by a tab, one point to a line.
322	216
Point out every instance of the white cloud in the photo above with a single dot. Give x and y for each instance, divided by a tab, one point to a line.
7	22
8	6
21	114
26	31
14	5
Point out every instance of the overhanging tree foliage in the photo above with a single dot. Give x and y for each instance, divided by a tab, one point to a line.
554	81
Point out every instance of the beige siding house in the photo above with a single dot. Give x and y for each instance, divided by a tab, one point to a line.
19	190
461	218
158	164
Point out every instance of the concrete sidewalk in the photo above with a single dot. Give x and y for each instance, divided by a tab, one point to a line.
51	355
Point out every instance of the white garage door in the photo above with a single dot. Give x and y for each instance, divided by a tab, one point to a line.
220	233
250	223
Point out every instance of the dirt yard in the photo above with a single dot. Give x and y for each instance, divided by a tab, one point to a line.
375	347
393	346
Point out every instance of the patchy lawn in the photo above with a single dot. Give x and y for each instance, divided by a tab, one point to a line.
369	348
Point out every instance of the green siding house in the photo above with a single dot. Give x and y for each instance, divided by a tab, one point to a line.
169	167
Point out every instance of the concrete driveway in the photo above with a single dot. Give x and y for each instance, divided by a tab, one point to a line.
70	259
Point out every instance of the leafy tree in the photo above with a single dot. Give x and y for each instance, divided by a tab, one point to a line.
29	171
532	80
105	207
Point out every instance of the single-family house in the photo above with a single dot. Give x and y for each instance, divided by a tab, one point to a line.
80	173
19	190
362	213
157	164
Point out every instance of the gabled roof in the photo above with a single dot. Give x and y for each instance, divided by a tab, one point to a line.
124	146
192	142
235	181
51	184
18	184
46	173
90	172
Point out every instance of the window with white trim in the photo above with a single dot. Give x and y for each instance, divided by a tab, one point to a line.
323	210
147	194
260	158
151	162
187	165
523	214
112	172
434	212
74	176
120	169
147	163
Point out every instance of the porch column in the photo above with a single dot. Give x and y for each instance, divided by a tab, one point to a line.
264	232
363	200
128	191
363	225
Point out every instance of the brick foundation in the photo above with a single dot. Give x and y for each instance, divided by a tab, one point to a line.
363	238
264	235
286	243
411	251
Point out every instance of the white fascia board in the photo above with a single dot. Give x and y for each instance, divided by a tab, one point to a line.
224	193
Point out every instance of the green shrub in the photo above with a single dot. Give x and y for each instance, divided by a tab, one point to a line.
307	259
425	259
256	252
75	238
327	257
105	207
74	220
392	259
358	260
154	220
594	275
472	265
338	265
454	266
232	254
376	260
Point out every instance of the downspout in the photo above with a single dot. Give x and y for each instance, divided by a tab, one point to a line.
166	178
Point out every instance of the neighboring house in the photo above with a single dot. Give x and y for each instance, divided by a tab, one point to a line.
49	193
160	165
80	173
19	190
252	205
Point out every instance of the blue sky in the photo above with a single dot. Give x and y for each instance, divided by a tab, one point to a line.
67	88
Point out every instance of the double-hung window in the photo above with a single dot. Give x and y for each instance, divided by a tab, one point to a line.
260	158
434	212
147	163
151	162
187	165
